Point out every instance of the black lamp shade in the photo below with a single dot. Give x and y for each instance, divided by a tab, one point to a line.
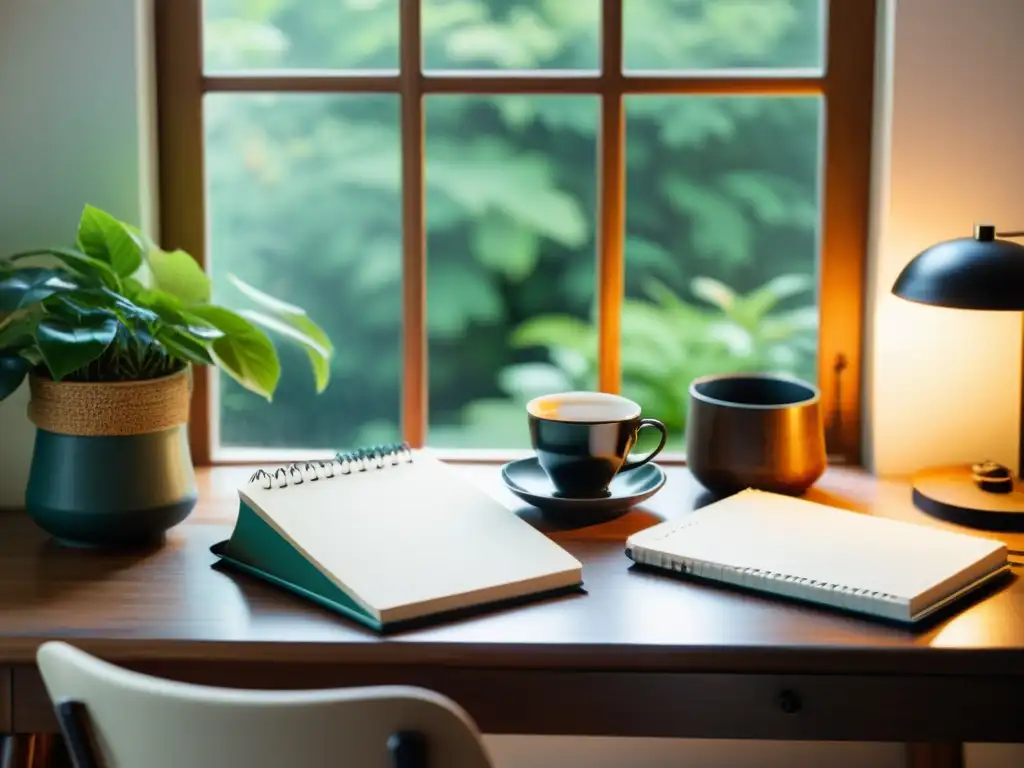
978	272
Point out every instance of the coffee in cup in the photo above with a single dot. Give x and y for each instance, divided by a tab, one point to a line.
582	440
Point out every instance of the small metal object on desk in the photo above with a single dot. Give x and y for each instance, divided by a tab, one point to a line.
992	477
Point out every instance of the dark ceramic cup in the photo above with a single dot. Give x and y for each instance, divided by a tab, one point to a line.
582	440
755	431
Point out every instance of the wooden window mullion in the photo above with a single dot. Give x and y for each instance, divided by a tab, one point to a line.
611	195
179	75
414	262
845	199
846	84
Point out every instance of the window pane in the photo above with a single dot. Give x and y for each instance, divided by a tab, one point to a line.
511	34
510	224
300	34
304	203
723	34
722	231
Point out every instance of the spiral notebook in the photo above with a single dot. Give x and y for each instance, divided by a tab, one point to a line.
799	549
389	536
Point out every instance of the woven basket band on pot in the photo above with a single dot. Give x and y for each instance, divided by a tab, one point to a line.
110	408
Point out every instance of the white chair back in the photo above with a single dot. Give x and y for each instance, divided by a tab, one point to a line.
124	719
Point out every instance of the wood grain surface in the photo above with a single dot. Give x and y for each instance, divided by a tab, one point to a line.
171	603
639	655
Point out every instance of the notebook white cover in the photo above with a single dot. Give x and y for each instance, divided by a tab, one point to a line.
797	548
413	539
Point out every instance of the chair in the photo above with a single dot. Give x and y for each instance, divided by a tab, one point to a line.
114	718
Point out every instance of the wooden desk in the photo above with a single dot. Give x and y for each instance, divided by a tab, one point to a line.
640	655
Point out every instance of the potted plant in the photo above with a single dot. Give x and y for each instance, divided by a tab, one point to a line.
107	333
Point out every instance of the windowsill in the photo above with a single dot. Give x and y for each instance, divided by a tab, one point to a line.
849	487
227	458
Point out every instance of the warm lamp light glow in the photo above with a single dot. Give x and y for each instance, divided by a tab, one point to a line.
936	360
984	625
981	272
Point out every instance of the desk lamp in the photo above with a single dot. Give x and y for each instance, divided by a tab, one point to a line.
980	272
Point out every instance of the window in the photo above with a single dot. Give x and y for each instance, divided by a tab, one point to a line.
482	200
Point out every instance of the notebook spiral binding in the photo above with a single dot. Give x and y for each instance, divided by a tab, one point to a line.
361	460
687	567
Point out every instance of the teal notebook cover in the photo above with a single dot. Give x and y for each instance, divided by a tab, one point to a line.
256	548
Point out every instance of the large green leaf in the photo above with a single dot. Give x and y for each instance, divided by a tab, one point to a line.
67	346
77	261
183	345
244	351
12	372
197	327
177	273
294	323
103	298
167	306
18	330
20	288
171	311
319	356
289	313
105	238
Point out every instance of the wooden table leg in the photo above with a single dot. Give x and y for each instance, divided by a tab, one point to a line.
935	755
32	751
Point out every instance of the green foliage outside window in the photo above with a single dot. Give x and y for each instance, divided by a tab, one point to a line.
722	210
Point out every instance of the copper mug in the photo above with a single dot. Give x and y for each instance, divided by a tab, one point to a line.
760	431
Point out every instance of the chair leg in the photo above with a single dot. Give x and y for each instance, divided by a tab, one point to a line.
49	752
34	750
59	757
408	750
19	751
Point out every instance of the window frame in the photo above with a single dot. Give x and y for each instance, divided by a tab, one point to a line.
846	85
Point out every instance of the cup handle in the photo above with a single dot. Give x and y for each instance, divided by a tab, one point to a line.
664	437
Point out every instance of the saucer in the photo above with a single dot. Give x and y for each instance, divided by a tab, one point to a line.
527	480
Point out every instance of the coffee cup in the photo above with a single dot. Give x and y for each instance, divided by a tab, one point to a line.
583	439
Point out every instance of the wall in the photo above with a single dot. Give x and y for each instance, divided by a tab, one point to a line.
943	385
72	130
75	127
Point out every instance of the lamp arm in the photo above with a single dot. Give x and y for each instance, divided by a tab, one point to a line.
1010	234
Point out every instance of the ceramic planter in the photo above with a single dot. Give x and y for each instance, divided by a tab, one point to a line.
111	465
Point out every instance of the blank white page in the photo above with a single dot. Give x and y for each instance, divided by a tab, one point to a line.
789	536
412	533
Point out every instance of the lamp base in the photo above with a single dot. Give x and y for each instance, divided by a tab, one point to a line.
949	493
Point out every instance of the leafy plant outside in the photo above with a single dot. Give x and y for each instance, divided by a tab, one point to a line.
667	343
116	307
304	195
